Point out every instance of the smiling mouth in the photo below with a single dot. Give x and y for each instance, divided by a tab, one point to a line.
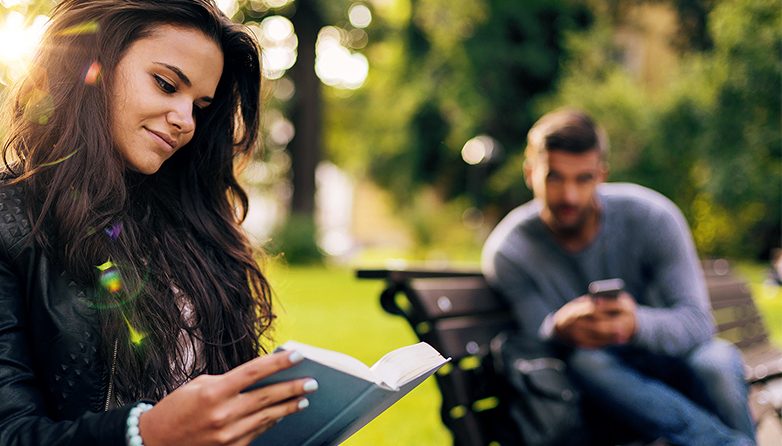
167	143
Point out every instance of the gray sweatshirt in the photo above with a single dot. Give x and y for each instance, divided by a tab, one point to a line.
643	239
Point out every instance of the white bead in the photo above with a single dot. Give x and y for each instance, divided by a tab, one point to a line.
133	434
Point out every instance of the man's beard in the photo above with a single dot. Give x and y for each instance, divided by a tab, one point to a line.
576	227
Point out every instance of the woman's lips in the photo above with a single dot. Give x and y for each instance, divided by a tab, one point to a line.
163	140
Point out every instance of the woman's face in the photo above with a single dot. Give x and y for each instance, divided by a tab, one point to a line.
158	83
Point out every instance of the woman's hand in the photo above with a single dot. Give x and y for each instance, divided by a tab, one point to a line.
211	410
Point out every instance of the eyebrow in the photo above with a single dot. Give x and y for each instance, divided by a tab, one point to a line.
183	77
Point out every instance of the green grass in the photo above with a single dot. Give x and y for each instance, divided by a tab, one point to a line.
328	307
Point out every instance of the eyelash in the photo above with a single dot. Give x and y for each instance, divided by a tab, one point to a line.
169	88
164	85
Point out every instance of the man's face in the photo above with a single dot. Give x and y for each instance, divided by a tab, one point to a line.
565	183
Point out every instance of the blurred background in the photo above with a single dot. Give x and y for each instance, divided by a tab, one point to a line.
394	131
397	126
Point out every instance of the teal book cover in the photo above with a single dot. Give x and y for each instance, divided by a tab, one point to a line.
349	395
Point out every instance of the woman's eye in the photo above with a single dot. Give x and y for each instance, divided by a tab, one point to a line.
164	84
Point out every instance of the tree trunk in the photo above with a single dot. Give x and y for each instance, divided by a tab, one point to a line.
305	147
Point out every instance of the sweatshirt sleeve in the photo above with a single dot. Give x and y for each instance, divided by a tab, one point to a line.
529	306
23	418
684	321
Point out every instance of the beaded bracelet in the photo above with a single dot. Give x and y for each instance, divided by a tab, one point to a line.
132	434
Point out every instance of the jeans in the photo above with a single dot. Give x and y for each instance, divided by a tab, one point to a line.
699	399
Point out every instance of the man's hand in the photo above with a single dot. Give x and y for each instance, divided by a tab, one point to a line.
589	322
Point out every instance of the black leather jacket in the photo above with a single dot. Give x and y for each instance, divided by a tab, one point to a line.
53	381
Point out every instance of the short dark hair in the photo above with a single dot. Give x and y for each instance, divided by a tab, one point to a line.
569	130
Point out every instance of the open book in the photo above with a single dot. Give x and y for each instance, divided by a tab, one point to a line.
349	395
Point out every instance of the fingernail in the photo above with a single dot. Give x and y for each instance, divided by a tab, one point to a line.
304	403
295	357
310	386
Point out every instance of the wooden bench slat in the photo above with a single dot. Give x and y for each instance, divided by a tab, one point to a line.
762	353
728	292
459	297
738	303
762	361
715	267
745	342
747	322
466	336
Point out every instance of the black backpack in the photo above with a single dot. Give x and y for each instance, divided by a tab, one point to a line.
545	403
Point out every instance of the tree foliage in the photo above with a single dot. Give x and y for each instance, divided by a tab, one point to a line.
710	138
446	71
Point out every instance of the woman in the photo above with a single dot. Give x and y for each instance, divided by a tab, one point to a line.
124	274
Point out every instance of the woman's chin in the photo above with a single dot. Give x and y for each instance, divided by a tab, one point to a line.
149	167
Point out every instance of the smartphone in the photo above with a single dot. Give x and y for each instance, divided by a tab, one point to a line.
606	289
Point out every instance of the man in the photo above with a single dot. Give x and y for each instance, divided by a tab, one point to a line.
647	358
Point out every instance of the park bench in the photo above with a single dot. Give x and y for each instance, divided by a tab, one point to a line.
457	313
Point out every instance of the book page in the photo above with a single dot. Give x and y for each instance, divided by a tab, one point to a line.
400	366
335	360
348	397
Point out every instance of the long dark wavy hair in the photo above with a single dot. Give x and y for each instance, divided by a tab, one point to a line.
174	235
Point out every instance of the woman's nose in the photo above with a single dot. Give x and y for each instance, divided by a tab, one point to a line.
182	118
